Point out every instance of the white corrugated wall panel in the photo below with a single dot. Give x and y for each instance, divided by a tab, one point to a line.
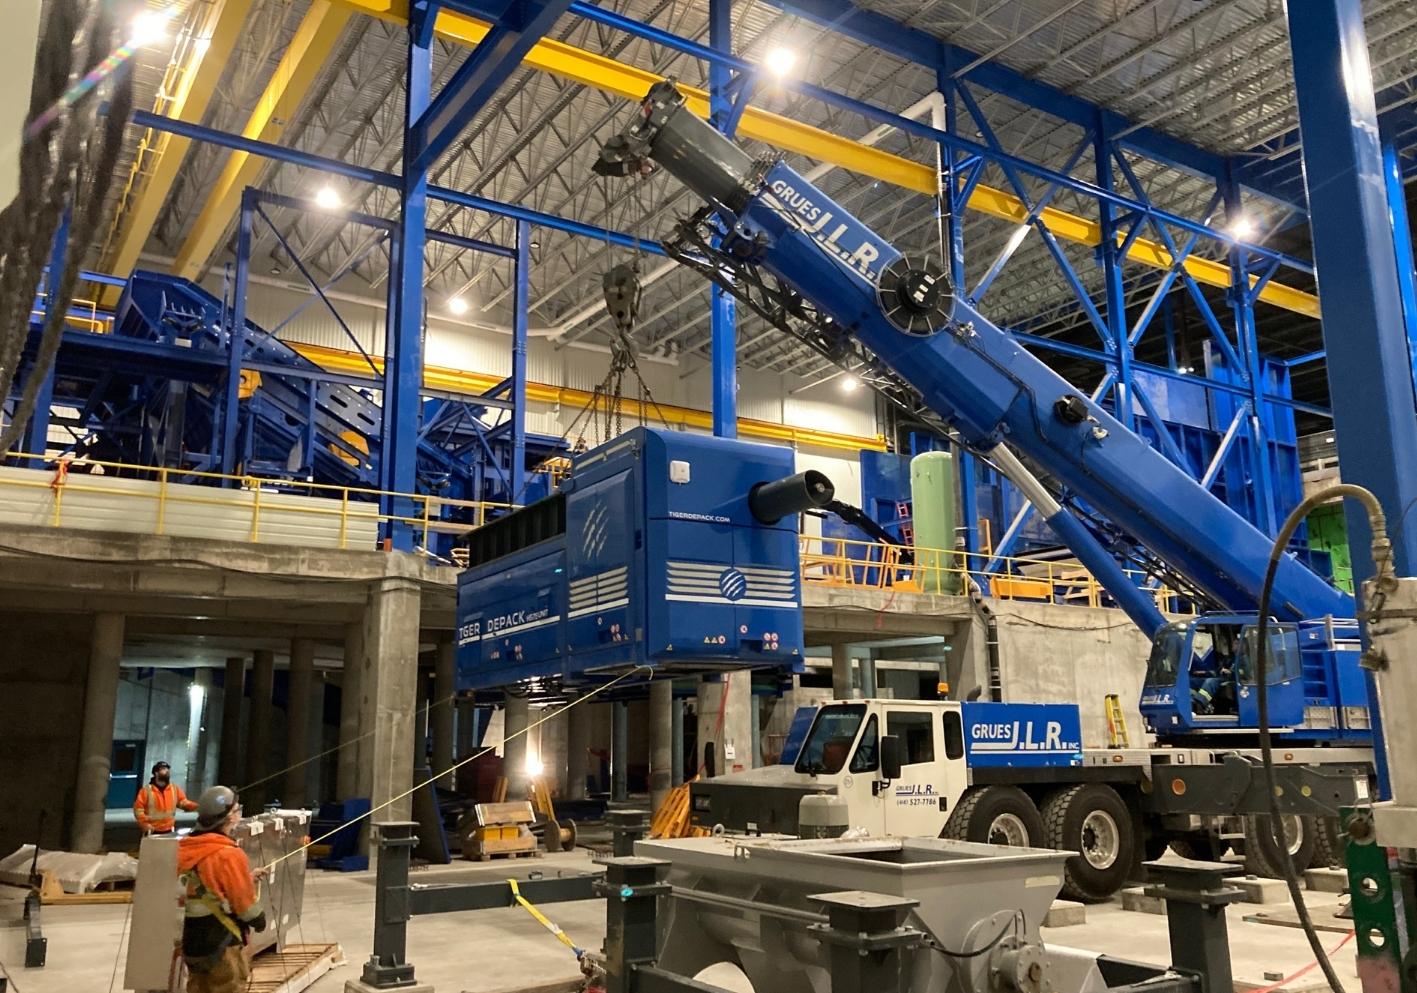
134	506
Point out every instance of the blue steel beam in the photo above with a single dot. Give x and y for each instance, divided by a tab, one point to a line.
1368	359
495	58
723	333
521	305
294	156
1369	365
403	340
236	339
1004	159
914	45
1402	242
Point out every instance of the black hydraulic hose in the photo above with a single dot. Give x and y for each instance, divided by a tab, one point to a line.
1382	560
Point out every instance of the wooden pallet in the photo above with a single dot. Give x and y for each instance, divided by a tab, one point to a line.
489	856
51	893
672	819
292	970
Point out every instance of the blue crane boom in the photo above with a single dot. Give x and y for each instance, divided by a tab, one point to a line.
981	385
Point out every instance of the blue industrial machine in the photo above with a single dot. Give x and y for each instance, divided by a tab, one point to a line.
807	266
662	548
152	393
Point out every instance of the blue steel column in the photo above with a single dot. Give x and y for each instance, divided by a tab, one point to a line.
1242	305
1369	368
723	342
521	301
403	343
954	250
1115	313
231	394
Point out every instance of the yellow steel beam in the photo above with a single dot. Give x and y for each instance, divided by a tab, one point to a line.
311	46
630	82
162	153
474	383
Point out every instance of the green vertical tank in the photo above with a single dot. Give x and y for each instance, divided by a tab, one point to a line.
933	515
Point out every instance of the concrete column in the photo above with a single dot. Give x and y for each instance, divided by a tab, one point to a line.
420	720
317	788
258	750
388	670
350	728
577	750
619	751
676	712
444	708
661	741
198	737
868	674
755	729
298	746
467	742
231	761
841	671
96	733
735	736
514	748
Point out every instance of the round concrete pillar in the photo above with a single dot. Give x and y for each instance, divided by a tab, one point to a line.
443	709
297	723
661	741
96	734
514	731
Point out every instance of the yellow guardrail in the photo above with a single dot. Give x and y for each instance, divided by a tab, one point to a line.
349	505
848	563
87	315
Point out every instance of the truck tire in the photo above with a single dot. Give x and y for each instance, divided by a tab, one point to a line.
996	815
1091	820
1200	846
1262	855
1329	844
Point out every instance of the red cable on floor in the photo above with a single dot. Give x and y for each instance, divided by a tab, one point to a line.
1308	968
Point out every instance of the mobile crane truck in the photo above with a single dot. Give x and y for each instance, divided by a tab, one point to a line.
1008	772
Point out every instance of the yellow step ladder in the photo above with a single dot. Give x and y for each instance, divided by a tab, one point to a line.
1117	736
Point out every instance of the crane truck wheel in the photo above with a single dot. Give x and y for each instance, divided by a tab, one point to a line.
996	815
1328	843
1091	820
1264	858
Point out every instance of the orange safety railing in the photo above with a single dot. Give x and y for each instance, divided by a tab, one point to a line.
844	562
346	505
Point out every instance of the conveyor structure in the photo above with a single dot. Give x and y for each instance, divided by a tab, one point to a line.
151	393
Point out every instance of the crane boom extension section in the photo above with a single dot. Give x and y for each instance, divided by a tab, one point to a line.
972	374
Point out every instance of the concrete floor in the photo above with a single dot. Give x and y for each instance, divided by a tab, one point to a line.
494	951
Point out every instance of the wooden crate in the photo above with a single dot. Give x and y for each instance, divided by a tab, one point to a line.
498	830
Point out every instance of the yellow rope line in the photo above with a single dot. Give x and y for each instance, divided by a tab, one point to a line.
456	765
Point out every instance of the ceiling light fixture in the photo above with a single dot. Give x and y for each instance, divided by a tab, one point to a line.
457	306
849	383
150	27
780	61
328	198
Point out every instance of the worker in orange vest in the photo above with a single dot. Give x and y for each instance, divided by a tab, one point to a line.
157	803
222	904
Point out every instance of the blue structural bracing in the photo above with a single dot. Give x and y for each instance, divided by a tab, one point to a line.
649	555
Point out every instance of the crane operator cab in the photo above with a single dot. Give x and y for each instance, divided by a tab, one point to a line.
1202	675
